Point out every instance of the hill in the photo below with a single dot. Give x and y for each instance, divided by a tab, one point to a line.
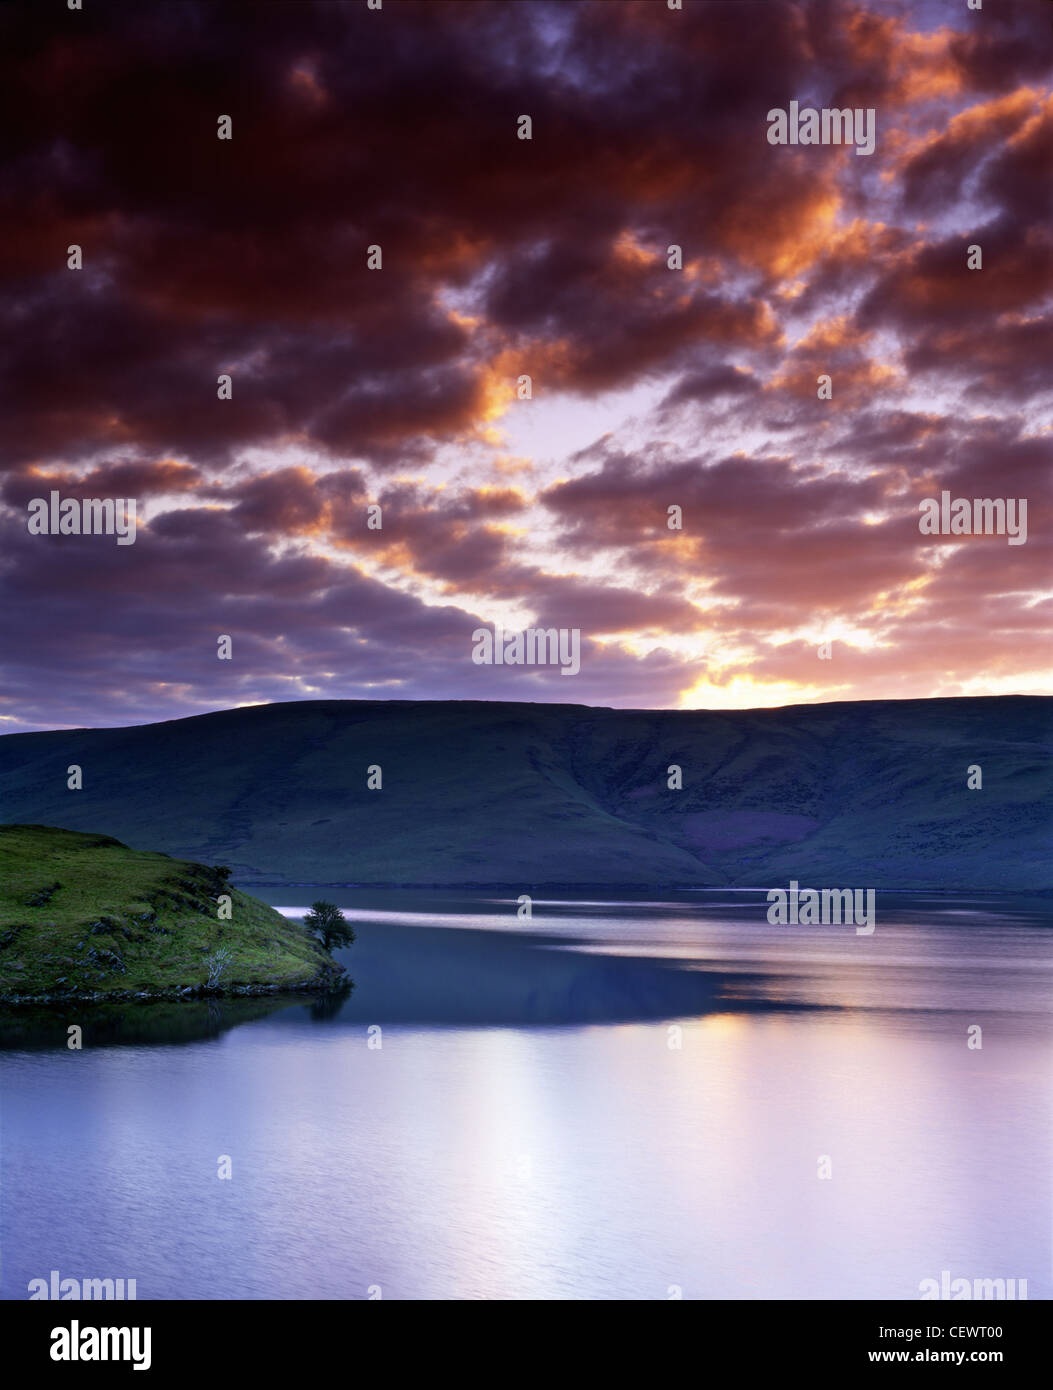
859	793
83	916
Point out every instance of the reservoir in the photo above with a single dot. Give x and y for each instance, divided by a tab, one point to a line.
661	1096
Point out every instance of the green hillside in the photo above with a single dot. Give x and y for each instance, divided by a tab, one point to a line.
871	793
83	916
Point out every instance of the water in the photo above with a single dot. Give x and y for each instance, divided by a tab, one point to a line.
527	1130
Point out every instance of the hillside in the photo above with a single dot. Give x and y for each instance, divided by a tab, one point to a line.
868	793
84	916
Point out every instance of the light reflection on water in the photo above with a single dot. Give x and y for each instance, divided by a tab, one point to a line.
526	1129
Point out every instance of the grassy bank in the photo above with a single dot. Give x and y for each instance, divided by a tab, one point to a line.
84	917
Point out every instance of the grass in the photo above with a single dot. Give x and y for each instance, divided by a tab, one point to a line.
82	916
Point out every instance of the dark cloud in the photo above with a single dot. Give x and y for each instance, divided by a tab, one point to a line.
504	257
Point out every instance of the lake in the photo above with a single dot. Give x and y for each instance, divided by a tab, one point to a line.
611	1100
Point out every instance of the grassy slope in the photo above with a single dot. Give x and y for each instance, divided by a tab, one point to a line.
867	794
122	921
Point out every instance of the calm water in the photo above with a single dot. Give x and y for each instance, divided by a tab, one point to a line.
526	1129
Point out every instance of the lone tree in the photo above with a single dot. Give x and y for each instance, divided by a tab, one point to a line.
217	962
326	920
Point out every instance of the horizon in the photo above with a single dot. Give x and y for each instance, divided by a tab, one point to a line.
540	704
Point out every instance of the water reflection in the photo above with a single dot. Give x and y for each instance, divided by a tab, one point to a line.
437	959
137	1022
603	1103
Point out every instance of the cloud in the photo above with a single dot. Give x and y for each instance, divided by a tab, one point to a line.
652	386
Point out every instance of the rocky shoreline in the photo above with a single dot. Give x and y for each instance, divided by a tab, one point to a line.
329	980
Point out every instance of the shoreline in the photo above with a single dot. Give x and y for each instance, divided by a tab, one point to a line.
330	980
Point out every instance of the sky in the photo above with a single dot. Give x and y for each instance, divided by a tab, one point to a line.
799	574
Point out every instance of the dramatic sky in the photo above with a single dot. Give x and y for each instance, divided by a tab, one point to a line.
651	387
